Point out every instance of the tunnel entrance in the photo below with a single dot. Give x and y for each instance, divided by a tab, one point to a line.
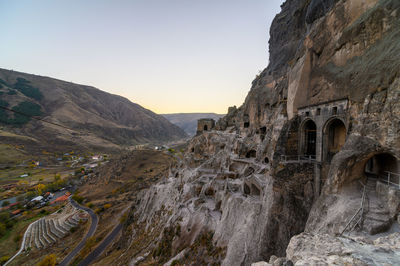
251	154
246	189
335	137
310	138
254	190
383	166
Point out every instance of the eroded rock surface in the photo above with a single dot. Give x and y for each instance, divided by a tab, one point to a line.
235	188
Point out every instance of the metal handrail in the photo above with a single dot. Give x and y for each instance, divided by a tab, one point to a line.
361	209
299	158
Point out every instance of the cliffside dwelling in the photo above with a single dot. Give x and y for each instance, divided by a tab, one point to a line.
205	124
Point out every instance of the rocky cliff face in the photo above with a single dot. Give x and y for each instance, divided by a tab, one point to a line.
320	119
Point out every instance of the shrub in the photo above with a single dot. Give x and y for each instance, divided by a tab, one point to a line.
78	198
5	203
49	260
4	259
107	206
3	229
11	92
25	88
90	205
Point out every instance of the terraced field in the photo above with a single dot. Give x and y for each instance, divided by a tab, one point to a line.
48	230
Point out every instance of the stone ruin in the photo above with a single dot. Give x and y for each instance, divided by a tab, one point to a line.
205	124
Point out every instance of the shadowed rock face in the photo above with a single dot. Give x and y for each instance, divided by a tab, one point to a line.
318	8
320	51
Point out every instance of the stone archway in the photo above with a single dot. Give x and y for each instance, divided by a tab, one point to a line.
334	137
380	165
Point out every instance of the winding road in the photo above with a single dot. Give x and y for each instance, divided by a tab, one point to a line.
67	260
100	248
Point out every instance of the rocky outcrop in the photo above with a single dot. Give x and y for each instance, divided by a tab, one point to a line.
240	181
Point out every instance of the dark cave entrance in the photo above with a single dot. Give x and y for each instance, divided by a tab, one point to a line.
383	166
310	138
335	137
251	154
205	127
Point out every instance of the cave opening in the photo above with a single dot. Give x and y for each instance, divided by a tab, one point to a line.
255	191
383	166
310	138
205	128
246	189
251	154
335	137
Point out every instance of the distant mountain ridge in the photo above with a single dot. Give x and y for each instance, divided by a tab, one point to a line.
95	118
188	121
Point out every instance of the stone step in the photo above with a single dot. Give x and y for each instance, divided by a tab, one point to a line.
60	227
38	244
56	231
47	232
28	237
69	223
42	240
75	219
374	226
32	237
44	235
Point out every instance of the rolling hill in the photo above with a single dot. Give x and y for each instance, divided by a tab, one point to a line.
78	115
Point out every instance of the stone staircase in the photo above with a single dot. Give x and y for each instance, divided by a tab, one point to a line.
376	217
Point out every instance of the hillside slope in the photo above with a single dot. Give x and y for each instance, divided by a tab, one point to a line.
241	193
93	117
188	121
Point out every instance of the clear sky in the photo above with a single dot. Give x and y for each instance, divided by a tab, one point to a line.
167	55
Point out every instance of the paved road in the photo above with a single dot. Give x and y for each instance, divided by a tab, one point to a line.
97	252
67	260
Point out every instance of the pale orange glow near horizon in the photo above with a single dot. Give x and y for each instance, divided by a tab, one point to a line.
172	56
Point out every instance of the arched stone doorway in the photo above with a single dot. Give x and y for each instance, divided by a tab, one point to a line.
334	138
383	166
309	134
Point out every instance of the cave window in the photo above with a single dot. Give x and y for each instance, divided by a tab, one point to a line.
310	138
251	154
205	127
307	113
246	189
379	165
336	137
266	160
246	124
334	110
263	130
192	149
254	190
318	111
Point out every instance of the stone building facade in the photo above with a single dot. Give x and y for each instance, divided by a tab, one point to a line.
205	124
